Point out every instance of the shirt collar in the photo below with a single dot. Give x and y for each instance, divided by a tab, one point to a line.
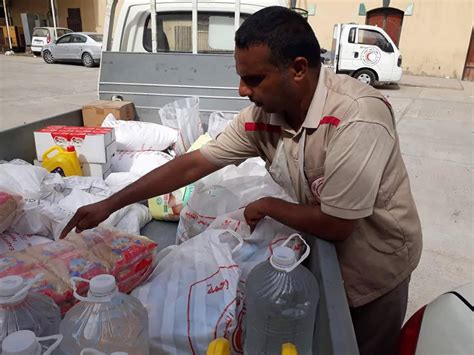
315	110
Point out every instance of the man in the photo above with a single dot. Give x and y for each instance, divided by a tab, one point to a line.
331	142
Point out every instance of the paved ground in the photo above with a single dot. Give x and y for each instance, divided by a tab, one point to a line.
435	124
31	90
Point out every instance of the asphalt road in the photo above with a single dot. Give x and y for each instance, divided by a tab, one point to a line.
435	124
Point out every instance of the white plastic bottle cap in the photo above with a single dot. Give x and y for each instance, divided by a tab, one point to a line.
23	342
90	351
102	285
283	257
10	285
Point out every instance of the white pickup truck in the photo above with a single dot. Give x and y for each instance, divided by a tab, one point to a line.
179	53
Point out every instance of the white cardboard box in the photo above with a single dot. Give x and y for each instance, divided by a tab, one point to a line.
94	145
99	170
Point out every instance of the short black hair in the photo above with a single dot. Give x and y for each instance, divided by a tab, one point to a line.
286	33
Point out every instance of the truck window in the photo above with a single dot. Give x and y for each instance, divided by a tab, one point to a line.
374	38
352	35
174	33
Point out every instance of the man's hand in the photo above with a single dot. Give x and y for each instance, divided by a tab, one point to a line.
255	212
88	217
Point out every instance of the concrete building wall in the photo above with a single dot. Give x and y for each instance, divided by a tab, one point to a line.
434	40
92	13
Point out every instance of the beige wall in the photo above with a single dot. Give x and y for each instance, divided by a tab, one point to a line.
92	13
434	40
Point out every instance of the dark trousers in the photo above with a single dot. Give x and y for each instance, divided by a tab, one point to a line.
377	324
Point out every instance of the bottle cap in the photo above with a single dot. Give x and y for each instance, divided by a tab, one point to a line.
10	285
23	342
102	285
70	148
283	258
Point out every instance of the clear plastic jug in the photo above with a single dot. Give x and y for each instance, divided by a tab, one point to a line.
24	310
106	320
282	298
25	342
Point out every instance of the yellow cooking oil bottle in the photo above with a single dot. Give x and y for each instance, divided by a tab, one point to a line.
221	346
62	161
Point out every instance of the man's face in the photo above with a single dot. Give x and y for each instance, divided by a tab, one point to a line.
262	82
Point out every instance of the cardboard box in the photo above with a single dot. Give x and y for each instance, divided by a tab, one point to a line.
94	113
99	170
93	145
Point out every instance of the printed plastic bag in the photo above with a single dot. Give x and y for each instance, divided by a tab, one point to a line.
138	135
12	241
218	121
224	191
197	285
183	115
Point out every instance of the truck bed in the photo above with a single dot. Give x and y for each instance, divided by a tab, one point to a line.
334	333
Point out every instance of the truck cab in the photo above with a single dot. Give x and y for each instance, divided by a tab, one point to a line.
367	53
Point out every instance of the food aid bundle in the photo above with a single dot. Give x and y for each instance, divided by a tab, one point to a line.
201	284
97	251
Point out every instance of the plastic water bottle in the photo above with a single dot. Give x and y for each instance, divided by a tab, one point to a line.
24	310
106	320
25	342
282	298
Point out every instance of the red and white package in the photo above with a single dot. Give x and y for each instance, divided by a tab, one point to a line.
10	205
118	249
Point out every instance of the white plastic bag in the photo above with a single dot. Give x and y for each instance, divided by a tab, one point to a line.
196	285
137	135
224	191
183	115
218	121
138	163
12	241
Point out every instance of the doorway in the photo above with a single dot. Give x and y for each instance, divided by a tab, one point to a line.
74	21
389	19
468	73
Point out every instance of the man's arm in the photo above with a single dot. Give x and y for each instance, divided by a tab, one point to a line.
305	218
177	173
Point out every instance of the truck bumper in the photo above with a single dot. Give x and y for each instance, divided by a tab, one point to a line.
396	74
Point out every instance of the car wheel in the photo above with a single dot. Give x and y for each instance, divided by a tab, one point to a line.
48	57
366	76
87	60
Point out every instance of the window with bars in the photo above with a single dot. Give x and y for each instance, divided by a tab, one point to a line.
174	32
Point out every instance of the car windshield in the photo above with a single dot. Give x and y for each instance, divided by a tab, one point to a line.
97	38
40	32
62	32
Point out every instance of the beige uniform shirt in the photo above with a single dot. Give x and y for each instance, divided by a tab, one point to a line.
354	170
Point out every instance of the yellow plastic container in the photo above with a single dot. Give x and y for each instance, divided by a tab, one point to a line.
288	349
63	162
219	346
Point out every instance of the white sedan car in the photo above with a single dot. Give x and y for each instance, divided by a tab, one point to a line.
444	326
85	47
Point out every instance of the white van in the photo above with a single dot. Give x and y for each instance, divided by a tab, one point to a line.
367	53
45	35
